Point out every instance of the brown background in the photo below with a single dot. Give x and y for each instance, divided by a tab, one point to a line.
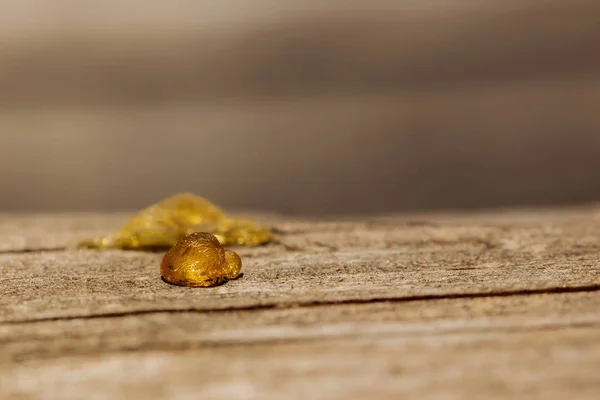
299	106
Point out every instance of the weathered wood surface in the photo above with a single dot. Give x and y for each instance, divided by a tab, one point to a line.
483	305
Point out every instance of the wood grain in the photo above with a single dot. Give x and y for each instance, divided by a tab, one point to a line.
481	305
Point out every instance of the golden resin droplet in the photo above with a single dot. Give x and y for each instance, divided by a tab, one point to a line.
165	223
199	259
242	232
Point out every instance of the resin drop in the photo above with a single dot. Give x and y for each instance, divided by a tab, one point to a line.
199	259
165	223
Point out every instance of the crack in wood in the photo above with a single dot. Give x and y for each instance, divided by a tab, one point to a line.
36	250
318	303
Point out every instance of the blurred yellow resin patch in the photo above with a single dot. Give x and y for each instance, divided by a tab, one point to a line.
165	223
200	260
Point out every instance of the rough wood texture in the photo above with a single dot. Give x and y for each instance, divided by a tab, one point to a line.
485	305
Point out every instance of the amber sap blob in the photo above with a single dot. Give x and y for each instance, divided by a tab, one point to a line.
199	259
163	224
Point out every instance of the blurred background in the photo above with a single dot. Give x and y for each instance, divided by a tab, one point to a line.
299	106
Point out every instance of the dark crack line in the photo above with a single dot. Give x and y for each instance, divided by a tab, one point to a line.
38	250
319	303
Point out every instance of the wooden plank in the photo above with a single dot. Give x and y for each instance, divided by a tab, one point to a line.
548	365
381	307
337	261
164	330
33	232
517	347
